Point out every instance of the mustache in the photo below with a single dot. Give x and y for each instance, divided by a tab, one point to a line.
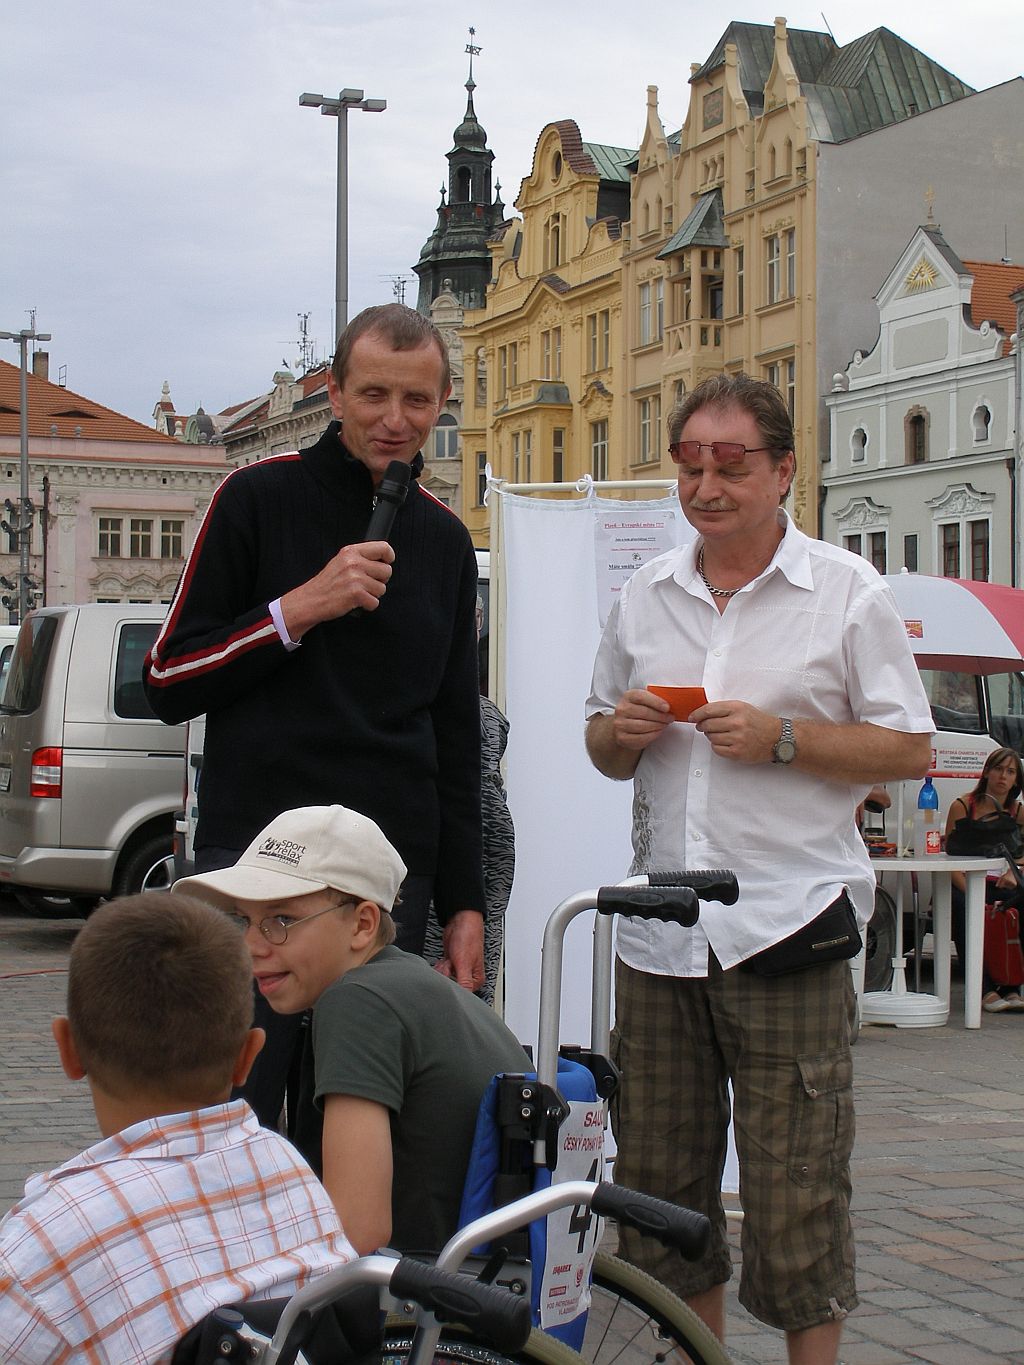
715	505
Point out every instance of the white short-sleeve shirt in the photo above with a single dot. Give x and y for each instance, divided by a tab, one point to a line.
816	636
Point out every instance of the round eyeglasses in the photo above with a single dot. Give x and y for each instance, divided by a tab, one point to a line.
275	928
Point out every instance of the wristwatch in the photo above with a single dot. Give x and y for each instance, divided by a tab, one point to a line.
784	748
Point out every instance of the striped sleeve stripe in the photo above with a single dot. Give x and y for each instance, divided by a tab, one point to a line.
186	578
205	661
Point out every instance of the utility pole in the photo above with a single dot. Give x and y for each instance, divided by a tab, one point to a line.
21	516
338	108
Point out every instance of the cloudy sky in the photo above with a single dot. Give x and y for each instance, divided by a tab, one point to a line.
168	209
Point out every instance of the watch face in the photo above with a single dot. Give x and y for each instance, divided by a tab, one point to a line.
785	751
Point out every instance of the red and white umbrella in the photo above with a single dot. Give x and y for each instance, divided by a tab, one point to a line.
961	625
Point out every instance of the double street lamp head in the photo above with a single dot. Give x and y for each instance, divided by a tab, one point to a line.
347	99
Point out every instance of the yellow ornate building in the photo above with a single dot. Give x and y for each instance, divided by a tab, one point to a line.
752	239
543	356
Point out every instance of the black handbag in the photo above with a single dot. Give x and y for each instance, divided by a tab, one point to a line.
970	838
832	936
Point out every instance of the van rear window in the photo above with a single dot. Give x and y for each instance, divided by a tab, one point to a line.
133	644
956	701
23	691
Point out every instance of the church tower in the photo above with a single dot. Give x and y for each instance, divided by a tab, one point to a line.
455	255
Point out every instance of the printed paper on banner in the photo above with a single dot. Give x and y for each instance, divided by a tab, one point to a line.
573	1233
623	540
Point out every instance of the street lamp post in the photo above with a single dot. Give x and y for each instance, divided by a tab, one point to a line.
23	337
338	108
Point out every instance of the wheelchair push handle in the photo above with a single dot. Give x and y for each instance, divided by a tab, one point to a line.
710	884
673	904
673	1226
501	1318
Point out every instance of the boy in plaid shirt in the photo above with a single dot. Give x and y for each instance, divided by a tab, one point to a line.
187	1203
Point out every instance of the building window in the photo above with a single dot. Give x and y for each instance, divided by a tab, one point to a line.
599	449
513	363
172	539
853	543
502	371
780	266
598	331
910	553
646	327
659	308
553	242
858	444
877	550
951	550
446	437
481	477
558	455
981	421
109	538
915	428
140	538
649	414
782	373
516	455
739	280
773	265
979	534
551	353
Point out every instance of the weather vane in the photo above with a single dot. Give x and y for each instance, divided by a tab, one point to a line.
472	49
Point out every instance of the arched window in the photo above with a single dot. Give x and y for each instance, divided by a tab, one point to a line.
858	444
981	421
446	437
915	428
464	185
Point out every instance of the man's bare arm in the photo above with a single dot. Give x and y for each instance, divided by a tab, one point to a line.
616	742
854	753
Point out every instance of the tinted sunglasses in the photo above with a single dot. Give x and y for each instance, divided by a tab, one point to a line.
722	452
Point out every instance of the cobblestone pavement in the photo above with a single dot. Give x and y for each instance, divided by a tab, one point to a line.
938	1165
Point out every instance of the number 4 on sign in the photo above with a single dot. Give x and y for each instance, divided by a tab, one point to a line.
581	1219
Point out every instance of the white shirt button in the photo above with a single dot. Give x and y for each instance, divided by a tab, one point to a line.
698	772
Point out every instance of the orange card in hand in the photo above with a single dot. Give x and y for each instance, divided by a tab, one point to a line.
683	700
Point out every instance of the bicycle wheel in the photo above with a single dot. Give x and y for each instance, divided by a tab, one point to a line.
459	1347
635	1319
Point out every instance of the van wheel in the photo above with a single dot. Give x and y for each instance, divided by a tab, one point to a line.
149	867
55	906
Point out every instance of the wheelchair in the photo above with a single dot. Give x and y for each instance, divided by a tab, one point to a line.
523	1202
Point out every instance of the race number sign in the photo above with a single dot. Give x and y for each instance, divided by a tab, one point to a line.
573	1233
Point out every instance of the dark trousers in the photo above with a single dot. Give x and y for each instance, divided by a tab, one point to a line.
275	1071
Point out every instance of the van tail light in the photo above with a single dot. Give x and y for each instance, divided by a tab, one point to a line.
47	772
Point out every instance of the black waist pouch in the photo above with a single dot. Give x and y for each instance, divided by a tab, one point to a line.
833	936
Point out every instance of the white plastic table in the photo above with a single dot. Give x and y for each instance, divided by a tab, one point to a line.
940	865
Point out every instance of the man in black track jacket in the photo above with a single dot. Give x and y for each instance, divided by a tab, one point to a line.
307	705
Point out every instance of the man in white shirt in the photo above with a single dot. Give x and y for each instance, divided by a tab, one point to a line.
813	696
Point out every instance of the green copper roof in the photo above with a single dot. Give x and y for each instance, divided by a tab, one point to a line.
612	162
871	83
704	225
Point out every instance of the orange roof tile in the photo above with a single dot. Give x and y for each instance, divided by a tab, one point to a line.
53	411
990	295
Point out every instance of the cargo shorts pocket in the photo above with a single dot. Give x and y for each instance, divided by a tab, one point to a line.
821	1129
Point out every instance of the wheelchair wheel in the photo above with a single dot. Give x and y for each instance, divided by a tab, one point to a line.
459	1347
634	1319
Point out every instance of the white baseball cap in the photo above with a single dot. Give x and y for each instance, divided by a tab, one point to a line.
308	850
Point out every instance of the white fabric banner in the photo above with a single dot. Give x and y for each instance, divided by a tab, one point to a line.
572	824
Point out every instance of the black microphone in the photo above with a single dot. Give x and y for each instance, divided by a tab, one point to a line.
391	493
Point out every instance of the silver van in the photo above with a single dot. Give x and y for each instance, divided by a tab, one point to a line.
89	778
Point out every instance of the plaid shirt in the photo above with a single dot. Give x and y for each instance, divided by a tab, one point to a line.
112	1257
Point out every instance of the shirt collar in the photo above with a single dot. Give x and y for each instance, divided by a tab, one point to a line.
791	558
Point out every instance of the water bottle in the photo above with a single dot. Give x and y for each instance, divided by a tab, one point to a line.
926	825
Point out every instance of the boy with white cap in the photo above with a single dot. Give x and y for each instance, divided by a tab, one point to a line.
401	1055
